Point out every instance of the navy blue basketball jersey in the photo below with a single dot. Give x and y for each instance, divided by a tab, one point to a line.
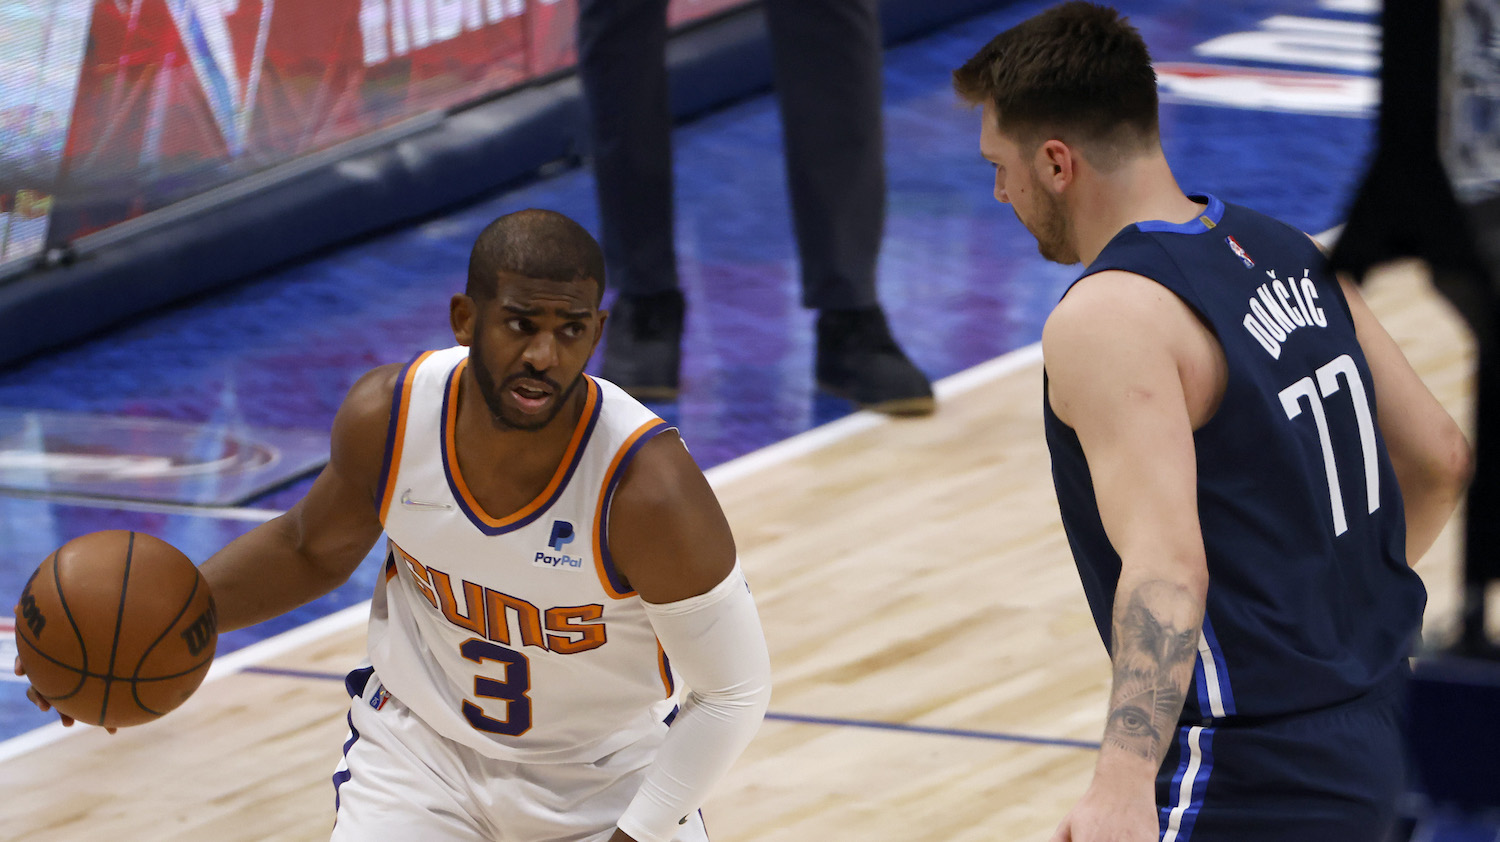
1310	599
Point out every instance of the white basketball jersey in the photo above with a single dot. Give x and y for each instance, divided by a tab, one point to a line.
513	635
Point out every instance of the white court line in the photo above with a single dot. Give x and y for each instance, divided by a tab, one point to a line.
123	505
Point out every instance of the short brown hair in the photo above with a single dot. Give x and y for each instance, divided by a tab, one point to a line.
1078	72
535	244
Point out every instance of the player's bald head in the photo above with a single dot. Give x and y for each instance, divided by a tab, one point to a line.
533	243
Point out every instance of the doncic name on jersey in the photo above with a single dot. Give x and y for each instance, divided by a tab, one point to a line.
562	535
1278	308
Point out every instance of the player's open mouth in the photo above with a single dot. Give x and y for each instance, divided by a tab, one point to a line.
531	397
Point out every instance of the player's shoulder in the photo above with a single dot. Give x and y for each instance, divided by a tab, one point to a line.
1116	315
662	474
660	467
362	423
1107	304
371	395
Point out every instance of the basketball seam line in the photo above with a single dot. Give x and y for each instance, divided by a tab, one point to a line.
114	648
83	648
23	630
135	690
104	675
83	677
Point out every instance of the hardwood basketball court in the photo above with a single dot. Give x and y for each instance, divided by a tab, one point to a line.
937	673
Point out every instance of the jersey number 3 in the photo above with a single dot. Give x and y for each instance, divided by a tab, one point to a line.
1327	386
511	691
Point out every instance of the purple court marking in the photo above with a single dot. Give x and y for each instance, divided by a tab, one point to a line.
927	729
803	719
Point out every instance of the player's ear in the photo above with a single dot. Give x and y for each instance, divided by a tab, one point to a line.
1054	164
462	312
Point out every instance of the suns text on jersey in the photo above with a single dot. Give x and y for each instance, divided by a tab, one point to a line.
564	629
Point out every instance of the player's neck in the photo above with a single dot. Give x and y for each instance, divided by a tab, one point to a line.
1138	191
480	439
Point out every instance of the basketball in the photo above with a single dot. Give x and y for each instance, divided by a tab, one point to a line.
116	628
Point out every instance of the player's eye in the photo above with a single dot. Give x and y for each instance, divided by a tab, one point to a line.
572	330
519	325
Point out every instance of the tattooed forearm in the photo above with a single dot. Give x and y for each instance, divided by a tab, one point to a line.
1156	628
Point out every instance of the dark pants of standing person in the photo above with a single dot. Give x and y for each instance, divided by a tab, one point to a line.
827	69
827	58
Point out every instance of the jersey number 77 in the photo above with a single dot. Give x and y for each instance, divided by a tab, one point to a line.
1326	387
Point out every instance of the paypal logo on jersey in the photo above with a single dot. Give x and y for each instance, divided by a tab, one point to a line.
562	535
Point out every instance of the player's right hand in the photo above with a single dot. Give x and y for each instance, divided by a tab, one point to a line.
1108	812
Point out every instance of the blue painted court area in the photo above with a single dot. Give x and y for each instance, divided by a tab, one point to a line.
960	278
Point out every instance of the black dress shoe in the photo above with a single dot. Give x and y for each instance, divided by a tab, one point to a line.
643	345
859	360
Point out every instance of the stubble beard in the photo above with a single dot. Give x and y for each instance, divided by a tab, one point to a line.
500	415
1052	231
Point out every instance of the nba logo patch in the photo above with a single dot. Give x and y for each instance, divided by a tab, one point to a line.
1240	252
381	696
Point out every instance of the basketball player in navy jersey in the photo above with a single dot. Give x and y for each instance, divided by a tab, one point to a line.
1244	461
555	563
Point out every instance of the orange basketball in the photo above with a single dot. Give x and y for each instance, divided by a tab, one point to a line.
116	628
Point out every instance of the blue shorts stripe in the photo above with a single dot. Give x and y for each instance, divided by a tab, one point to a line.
1200	785
355	682
1200	681
1189	783
1184	754
1226	692
343	775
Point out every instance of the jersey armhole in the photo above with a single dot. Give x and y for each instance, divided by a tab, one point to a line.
614	583
390	463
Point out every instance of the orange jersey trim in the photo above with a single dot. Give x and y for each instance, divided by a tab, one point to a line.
548	495
400	404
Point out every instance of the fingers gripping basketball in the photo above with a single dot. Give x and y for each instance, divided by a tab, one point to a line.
116	628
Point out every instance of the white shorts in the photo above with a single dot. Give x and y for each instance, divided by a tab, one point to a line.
400	780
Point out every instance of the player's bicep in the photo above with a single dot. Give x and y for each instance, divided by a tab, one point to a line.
667	534
1118	385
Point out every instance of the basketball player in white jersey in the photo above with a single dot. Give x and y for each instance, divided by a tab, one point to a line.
544	532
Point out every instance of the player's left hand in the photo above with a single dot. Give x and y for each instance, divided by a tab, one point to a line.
41	703
1112	811
36	698
621	836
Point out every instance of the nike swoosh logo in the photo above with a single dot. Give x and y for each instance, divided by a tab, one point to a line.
421	504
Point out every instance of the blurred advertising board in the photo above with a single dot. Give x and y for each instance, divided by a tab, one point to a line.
110	109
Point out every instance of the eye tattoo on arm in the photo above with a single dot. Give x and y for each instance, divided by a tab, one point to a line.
1156	631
